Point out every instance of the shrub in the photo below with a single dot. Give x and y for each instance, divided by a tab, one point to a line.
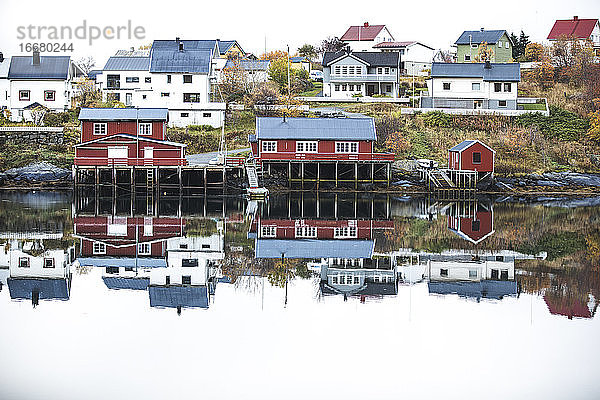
436	119
57	119
561	124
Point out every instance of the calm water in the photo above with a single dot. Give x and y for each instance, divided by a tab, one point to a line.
304	296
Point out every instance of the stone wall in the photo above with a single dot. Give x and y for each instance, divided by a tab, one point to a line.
31	135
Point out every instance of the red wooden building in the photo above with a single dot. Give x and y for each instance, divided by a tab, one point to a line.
471	155
126	137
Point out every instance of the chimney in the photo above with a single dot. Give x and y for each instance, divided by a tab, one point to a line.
575	18
366	24
488	65
481	29
36	58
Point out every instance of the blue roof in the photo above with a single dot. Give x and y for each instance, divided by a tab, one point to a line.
298	59
195	57
51	67
463	145
510	72
119	114
490	37
48	289
175	296
313	248
485	289
118	282
127	64
251	65
315	128
225	45
128	262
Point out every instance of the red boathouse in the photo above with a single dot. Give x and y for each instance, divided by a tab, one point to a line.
471	155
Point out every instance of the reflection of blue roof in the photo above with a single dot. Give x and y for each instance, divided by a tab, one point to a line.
313	248
368	289
123	262
510	72
484	289
48	289
50	67
174	296
120	114
315	128
127	64
117	282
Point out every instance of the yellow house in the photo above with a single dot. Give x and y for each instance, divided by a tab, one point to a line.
300	62
230	49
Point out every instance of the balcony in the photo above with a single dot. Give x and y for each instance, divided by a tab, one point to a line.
325	157
363	78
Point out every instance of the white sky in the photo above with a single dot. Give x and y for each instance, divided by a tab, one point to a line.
436	23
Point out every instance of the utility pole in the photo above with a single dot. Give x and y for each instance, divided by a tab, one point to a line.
288	77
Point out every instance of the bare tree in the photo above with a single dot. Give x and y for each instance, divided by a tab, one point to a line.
37	114
86	64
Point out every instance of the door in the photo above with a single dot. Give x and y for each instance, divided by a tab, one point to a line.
127	99
117	155
477	104
148	155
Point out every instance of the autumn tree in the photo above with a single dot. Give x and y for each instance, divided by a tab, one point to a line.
278	73
397	143
233	86
594	130
87	94
274	55
572	57
485	53
534	52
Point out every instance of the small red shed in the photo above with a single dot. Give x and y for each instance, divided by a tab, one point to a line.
471	155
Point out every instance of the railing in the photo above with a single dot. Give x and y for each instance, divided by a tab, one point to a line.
129	162
235	161
363	78
386	157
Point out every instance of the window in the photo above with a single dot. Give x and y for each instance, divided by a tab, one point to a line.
476	157
24	95
346	147
128	97
49	95
48	262
351	70
23	262
167	280
185	115
467	57
144	249
168	78
337	88
497	87
500	258
144	97
387	70
129	269
191	97
500	43
506	44
501	103
472	273
507	87
344	87
379	70
206	115
206	246
475	225
494	274
99	248
269	146
334	280
504	275
475	86
183	246
187	79
474	45
268	231
306	147
443	272
148	79
112	270
356	280
337	69
344	232
132	79
186	280
113	81
351	87
446	85
100	128
388	88
164	94
306	231
358	87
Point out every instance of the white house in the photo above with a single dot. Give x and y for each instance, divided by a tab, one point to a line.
4	83
355	74
126	78
364	37
415	57
580	28
46	81
473	86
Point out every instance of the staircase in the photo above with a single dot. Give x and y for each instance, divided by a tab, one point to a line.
252	176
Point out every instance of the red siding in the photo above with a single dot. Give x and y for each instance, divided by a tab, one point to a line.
485	225
286	150
114	127
466	159
286	229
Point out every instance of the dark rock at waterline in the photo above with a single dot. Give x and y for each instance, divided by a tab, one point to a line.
41	172
553	179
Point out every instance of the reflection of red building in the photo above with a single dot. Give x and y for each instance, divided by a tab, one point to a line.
471	155
317	229
569	307
471	221
117	236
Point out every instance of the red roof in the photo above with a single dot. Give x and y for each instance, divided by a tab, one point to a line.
365	32
579	28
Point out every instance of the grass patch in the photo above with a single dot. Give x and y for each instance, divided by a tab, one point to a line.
317	88
533	106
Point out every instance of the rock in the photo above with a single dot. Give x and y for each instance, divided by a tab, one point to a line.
40	172
403	183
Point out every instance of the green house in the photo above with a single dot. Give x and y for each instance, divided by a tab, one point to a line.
470	42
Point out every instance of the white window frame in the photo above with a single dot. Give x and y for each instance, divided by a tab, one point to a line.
99	248
336	87
269	146
144	249
500	43
268	231
387	70
478	86
507	45
22	96
502	106
346	147
145	128
509	86
306	146
99	128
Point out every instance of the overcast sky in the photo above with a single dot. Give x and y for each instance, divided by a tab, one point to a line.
436	23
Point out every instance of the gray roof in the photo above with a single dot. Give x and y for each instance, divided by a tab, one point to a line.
484	289
4	66
48	289
490	37
195	57
315	128
313	248
127	64
51	67
373	58
119	282
120	114
94	73
463	145
225	45
508	72
251	65
178	296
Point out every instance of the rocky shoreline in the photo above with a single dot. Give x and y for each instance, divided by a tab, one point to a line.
43	174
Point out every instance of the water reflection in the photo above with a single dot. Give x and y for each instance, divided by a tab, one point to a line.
363	247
